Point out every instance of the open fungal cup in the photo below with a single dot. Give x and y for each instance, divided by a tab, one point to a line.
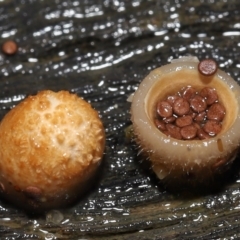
173	158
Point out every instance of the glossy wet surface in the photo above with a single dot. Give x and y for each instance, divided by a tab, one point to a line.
101	50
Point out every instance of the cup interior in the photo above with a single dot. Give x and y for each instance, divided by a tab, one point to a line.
172	82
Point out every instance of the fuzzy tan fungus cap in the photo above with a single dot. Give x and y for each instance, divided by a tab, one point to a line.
50	146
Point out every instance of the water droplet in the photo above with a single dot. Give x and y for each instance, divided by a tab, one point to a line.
54	216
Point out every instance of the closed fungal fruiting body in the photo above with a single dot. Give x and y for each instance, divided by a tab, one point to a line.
187	155
51	145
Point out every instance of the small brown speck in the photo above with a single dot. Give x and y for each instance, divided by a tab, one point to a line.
33	192
207	67
9	47
220	145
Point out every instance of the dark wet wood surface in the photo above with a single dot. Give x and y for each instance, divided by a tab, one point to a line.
102	50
